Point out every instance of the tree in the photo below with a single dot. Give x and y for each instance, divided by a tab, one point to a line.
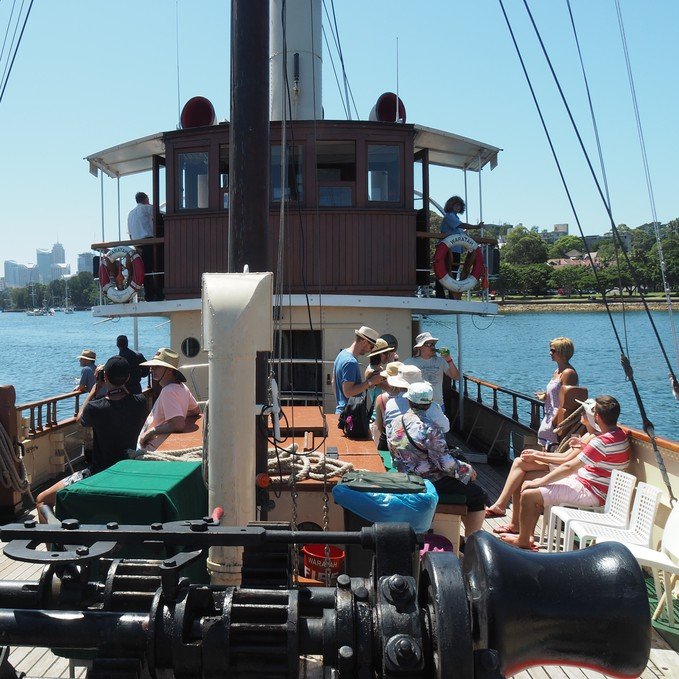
536	278
524	247
510	279
568	278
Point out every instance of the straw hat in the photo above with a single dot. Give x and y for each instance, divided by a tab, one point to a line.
167	358
424	337
406	375
88	355
381	347
392	369
420	393
367	333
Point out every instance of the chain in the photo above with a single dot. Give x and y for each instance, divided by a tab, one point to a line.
326	520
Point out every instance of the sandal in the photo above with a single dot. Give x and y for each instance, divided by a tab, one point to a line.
493	514
505	528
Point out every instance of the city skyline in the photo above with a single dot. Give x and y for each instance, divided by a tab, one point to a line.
50	265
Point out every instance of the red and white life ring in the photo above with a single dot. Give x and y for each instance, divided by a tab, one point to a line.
121	273
474	265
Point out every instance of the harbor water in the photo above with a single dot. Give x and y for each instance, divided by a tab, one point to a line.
512	351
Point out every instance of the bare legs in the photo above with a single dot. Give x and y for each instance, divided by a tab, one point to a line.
530	508
473	521
48	497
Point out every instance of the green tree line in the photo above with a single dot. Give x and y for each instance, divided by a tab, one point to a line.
524	269
83	291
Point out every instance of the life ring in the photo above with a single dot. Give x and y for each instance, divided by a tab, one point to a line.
121	273
474	267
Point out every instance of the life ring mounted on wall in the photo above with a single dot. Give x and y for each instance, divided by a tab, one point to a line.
472	272
121	273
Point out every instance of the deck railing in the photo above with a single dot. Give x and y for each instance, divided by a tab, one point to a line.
532	406
43	414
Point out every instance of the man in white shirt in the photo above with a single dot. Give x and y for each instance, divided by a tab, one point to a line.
140	226
140	219
433	367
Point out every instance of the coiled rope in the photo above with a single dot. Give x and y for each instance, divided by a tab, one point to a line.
285	465
10	477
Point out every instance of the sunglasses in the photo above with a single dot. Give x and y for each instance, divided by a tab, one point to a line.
431	345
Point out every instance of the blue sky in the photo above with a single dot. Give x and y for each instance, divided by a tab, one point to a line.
90	75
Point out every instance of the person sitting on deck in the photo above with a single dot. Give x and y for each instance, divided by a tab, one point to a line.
532	464
116	420
174	404
347	372
418	446
582	482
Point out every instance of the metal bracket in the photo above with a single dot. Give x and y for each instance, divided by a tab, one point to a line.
25	550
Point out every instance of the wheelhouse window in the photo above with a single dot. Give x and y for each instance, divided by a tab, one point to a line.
384	173
294	177
224	175
336	173
192	180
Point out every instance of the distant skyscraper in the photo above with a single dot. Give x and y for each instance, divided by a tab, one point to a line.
85	262
19	275
58	254
60	270
44	264
561	229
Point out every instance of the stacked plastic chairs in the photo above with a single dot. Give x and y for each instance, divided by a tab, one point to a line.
665	561
615	511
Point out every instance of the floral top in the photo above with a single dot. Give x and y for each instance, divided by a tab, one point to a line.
434	460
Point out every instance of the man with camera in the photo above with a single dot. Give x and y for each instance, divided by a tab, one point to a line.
116	420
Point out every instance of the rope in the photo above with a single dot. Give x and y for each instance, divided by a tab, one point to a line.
285	466
9	476
194	454
647	424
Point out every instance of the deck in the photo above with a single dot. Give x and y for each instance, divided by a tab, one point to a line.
39	662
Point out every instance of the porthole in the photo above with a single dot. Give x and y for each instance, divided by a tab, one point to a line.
190	347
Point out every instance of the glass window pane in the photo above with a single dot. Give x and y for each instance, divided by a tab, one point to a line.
192	184
336	161
294	180
384	176
224	174
335	196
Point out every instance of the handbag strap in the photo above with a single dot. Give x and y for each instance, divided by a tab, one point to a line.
405	429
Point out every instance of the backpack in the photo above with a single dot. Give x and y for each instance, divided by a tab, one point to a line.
354	420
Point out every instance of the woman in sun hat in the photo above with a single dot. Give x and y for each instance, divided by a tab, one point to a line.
174	404
418	446
388	392
433	366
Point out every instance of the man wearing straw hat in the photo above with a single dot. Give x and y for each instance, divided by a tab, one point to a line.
174	404
433	367
347	372
87	359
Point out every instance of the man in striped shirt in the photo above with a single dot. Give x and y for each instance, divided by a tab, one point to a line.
583	481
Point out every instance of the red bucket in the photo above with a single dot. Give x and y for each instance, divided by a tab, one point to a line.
314	562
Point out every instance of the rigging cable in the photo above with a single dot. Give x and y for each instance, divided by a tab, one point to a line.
334	70
614	228
601	163
176	28
647	424
649	185
624	358
9	66
9	23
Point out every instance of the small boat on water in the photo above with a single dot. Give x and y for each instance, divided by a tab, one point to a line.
332	182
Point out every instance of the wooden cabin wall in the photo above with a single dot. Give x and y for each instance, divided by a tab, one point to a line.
352	252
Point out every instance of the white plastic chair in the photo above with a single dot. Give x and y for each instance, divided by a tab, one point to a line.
665	561
615	512
640	529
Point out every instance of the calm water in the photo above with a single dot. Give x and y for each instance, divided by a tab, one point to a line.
40	353
513	351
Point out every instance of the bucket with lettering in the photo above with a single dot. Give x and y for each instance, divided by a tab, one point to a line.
315	562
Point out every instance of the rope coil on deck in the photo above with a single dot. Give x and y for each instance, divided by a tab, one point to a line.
284	465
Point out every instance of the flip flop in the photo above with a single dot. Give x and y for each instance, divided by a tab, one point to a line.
493	514
531	548
505	528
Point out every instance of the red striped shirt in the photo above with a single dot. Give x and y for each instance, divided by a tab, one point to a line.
601	456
